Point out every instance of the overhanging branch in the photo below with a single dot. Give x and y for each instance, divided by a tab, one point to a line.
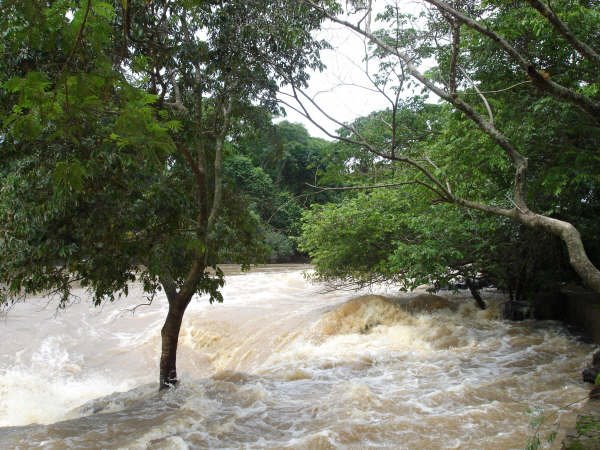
583	49
541	80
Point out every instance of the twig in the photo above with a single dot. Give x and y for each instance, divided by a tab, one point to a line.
79	34
72	52
497	90
373	186
485	102
149	299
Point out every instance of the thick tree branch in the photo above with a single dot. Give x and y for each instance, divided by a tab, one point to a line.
198	175
518	160
571	237
583	49
496	210
191	281
541	80
178	103
169	286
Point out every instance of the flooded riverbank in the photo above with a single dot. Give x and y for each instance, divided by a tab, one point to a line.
282	364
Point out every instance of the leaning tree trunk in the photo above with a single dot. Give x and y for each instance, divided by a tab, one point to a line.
170	336
578	258
475	293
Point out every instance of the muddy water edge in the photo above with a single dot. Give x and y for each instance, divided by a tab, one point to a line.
284	364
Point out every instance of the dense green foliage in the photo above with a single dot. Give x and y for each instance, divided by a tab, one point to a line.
137	143
403	233
119	144
429	155
275	165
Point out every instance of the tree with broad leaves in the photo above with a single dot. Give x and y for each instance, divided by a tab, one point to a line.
119	120
485	55
385	227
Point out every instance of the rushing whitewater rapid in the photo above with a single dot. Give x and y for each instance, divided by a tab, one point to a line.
283	364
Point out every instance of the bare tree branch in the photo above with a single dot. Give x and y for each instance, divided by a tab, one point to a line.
375	186
149	299
296	90
443	191
518	160
304	112
370	78
497	91
485	102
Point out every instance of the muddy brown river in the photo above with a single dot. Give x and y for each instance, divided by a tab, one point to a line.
283	364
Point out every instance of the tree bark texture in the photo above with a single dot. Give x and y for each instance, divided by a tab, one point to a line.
169	338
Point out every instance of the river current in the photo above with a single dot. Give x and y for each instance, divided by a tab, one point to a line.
283	363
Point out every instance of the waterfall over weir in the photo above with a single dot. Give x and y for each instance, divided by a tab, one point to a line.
283	364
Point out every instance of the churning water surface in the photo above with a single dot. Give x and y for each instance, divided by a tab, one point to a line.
282	364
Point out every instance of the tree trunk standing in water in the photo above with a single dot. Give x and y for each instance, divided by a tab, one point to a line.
475	293
208	211
178	302
210	77
152	88
170	337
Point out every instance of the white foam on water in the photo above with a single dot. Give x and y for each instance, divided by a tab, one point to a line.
50	384
282	364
